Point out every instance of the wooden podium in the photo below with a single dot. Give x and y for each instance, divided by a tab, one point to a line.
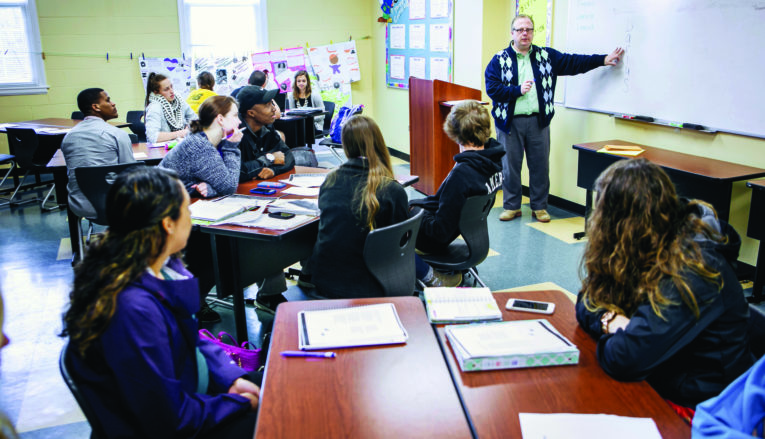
431	150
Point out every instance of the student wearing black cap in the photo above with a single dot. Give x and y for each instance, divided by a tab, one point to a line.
264	153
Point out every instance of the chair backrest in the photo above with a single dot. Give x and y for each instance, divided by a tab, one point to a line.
95	181
137	126
281	101
474	227
389	256
87	410
330	109
78	115
23	143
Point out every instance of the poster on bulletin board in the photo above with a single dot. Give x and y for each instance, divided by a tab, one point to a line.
283	64
177	69
418	42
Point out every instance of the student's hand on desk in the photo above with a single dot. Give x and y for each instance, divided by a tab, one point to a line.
201	188
613	58
266	173
248	389
619	322
181	133
526	86
278	158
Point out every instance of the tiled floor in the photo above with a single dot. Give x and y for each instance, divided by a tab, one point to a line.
36	277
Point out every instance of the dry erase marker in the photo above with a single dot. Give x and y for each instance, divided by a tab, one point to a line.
308	354
627	116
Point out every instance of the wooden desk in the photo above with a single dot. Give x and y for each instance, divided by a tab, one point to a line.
53	122
756	230
57	164
373	392
694	177
259	253
494	398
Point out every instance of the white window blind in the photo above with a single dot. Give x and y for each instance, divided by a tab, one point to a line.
21	66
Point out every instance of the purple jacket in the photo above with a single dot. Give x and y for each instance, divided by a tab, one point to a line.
140	376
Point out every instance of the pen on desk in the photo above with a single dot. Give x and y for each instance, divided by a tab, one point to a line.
308	354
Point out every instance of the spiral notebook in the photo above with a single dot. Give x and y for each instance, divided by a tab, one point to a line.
459	305
366	325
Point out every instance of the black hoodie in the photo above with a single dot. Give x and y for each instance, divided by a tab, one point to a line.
475	173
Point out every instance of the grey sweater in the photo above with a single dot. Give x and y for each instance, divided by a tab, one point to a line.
92	142
196	160
156	123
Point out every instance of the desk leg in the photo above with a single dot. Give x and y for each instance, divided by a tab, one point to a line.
74	234
587	209
240	317
759	277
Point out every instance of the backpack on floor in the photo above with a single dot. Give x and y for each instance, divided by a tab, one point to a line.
345	113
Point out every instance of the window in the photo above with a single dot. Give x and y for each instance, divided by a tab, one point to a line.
21	66
222	28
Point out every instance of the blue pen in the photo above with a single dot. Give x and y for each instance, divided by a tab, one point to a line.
308	354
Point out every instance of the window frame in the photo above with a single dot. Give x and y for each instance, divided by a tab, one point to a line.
38	84
258	7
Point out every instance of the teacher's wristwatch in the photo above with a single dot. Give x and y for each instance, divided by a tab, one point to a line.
270	157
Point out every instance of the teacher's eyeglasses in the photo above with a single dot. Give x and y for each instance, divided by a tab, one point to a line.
522	30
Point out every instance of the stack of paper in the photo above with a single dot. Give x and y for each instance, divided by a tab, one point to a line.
510	345
451	305
306	180
350	327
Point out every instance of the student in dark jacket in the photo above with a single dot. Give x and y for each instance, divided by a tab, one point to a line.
659	295
264	153
477	171
357	197
134	347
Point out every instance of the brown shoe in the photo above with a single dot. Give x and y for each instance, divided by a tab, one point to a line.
509	215
444	279
541	215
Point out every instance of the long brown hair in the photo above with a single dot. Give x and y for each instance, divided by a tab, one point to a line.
152	85
641	233
136	204
296	90
209	110
363	139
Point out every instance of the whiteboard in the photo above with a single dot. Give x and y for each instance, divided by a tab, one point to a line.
686	61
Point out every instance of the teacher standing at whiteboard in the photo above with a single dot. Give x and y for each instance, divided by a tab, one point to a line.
520	80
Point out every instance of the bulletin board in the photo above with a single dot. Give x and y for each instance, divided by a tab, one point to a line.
418	42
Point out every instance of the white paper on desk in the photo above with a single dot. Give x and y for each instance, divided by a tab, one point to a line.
366	325
140	155
417	67
52	130
256	218
9	125
397	36
302	191
439	68
439	37
306	180
416	36
397	70
581	426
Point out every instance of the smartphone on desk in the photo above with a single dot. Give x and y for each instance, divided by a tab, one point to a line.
262	191
281	215
271	185
530	306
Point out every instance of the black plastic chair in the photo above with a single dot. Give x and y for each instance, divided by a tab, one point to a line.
23	143
7	159
137	126
94	182
464	255
87	409
389	256
329	107
281	101
78	115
